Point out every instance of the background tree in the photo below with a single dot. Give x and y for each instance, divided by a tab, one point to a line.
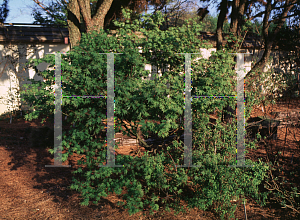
296	12
279	18
83	16
210	23
242	11
4	11
177	11
53	14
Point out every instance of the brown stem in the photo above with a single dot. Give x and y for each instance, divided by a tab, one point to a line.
136	135
173	161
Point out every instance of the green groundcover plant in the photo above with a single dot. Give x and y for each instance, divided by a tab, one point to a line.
152	180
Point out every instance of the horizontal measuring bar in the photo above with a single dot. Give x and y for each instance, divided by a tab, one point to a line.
86	96
81	52
213	96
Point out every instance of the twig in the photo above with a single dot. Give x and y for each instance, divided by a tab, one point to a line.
245	210
41	5
59	2
276	187
286	130
291	207
137	136
173	161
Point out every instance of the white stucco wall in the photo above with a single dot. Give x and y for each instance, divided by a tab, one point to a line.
14	74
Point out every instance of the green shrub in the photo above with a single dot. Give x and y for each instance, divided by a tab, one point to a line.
150	180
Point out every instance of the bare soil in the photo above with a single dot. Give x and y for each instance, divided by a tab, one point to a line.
29	190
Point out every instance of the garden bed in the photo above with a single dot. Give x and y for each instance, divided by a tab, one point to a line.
29	190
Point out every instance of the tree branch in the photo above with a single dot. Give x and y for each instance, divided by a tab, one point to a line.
41	5
277	19
59	3
273	7
103	9
287	8
85	11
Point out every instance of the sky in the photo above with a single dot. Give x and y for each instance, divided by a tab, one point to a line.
20	10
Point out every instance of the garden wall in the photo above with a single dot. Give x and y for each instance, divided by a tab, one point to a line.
14	55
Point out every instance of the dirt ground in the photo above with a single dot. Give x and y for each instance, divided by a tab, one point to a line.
29	190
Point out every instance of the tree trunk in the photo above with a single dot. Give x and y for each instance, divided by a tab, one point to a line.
97	22
76	8
221	18
74	22
269	39
241	11
268	44
223	12
234	17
